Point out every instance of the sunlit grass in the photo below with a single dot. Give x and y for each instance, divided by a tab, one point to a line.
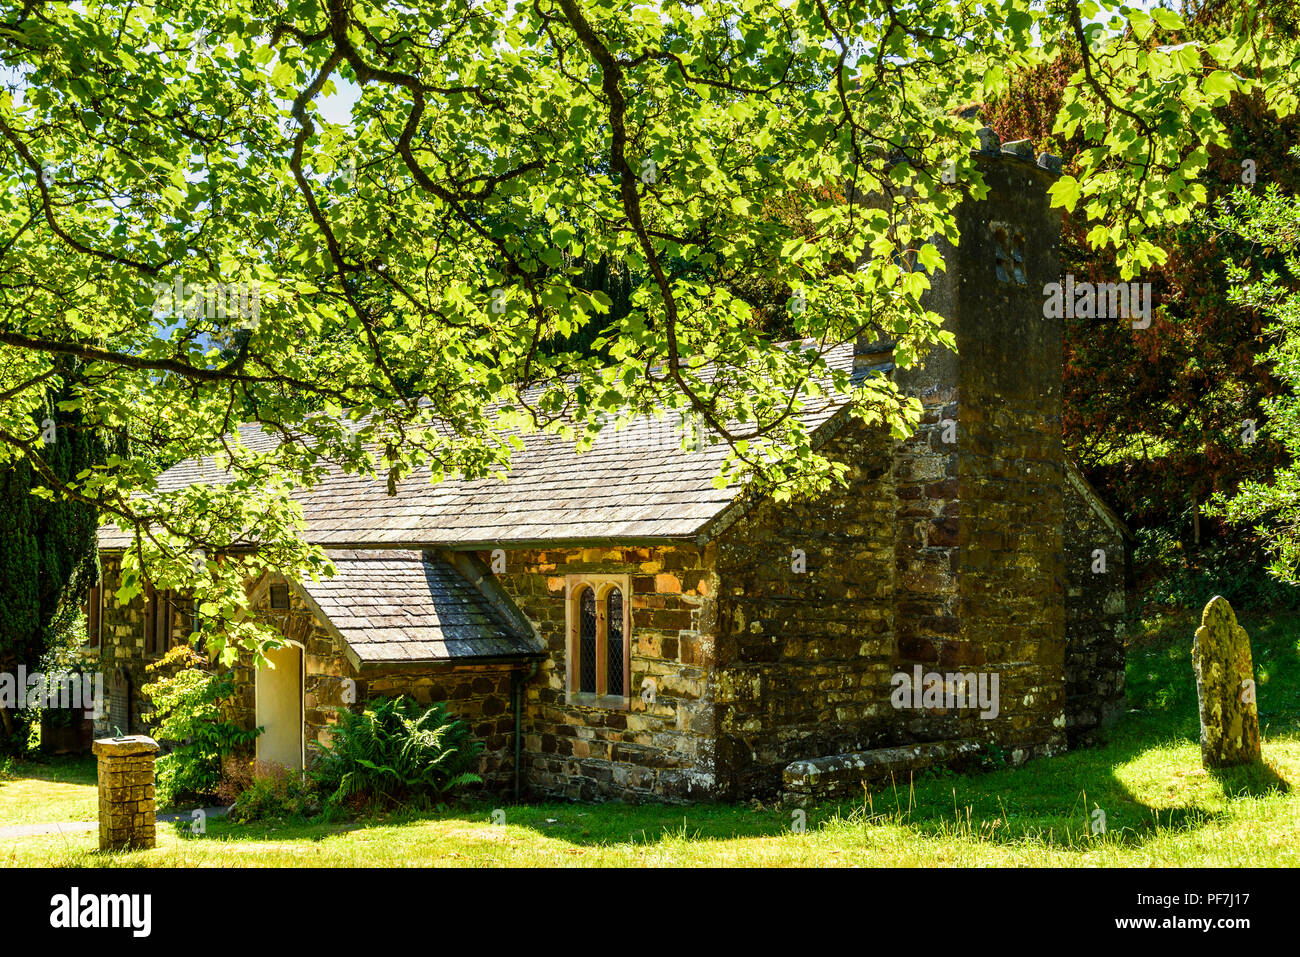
1160	807
62	789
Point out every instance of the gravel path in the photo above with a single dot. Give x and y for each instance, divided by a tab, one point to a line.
81	827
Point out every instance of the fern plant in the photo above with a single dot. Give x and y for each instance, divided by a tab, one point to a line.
396	749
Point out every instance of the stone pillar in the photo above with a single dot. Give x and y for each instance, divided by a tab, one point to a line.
126	797
1225	687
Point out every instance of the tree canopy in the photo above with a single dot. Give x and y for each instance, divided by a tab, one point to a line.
1269	222
1157	417
404	289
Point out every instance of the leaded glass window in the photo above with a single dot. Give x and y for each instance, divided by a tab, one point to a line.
614	650
1001	255
587	641
597	631
1018	259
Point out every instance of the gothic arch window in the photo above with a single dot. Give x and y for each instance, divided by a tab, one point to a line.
587	640
599	624
1009	254
1001	255
614	641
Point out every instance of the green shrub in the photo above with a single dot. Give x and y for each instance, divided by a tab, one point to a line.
187	714
62	656
1173	574
272	792
394	750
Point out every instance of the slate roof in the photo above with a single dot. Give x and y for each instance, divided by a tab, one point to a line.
398	606
635	484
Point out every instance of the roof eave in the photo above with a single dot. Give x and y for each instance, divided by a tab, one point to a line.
481	544
1090	495
406	664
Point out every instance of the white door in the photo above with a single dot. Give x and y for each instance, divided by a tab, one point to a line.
279	708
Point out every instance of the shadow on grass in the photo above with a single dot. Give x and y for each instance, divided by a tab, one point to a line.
571	823
1049	801
1254	780
1140	792
73	769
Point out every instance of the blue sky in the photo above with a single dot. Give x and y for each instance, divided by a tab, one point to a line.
338	107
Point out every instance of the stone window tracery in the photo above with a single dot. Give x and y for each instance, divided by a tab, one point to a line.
599	628
1009	254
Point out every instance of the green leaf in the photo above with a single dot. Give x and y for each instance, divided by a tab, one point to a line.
1219	85
994	78
1167	19
1065	192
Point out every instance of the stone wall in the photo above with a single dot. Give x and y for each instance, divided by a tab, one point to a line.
658	751
805	651
1094	616
980	548
926	596
1010	456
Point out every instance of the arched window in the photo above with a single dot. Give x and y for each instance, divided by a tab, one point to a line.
587	641
599	625
614	652
1009	254
1001	255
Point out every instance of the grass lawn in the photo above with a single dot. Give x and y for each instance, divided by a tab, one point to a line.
1161	808
59	789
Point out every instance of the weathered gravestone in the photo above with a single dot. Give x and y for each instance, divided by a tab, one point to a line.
1225	686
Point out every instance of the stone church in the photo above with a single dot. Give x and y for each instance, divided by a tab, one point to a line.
611	626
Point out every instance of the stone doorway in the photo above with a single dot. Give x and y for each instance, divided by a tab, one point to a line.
279	708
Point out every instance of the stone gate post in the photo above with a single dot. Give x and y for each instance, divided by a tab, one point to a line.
126	795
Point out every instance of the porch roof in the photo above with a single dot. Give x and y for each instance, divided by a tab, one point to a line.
400	607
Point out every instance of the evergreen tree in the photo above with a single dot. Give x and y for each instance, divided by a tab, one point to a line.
48	554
